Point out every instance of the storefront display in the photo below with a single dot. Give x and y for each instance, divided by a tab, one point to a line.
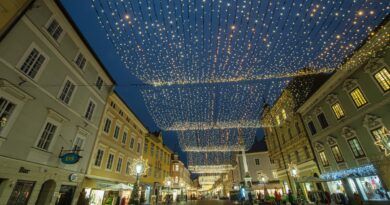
371	188
336	187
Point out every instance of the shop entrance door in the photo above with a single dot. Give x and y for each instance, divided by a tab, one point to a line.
21	193
66	195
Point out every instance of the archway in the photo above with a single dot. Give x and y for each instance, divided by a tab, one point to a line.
46	192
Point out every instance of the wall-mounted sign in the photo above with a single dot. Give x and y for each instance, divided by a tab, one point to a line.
70	158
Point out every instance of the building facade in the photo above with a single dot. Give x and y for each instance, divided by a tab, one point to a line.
348	120
260	168
287	140
119	140
10	10
159	160
181	178
52	95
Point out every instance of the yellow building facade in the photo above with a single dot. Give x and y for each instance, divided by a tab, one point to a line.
159	160
288	142
9	11
120	140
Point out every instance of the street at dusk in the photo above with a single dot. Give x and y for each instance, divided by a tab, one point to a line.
194	102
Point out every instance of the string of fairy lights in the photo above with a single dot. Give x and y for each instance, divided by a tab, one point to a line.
212	64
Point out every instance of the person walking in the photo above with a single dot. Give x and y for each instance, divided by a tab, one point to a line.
278	197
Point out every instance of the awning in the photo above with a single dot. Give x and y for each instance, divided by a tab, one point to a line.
119	187
309	179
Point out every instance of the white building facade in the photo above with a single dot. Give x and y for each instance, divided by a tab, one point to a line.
52	94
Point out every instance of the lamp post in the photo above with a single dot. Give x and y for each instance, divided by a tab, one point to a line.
294	173
138	167
263	178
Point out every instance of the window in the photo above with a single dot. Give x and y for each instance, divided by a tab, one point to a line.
356	148
32	63
124	137
257	161
284	115
119	164
80	61
78	143
297	156
358	97
337	154
312	128
107	125
379	134
277	120
99	157
67	91
47	136
132	143
138	147
176	168
99	83
6	108
321	118
307	153
54	29
128	164
383	79
323	158
146	147
90	109
289	158
297	128
116	132
110	161
152	150
338	111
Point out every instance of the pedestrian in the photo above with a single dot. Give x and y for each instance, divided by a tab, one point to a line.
278	197
290	197
250	197
357	198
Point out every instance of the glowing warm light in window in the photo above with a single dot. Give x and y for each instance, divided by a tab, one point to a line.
383	78
337	110
358	97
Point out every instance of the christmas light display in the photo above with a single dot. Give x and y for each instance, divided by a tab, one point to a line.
383	141
217	140
214	40
210	169
212	64
367	170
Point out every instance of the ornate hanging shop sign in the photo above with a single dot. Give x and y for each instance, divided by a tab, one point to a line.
69	156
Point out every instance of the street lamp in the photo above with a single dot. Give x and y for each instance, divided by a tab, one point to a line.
263	178
137	167
294	173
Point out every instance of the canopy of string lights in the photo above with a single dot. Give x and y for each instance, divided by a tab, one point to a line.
211	65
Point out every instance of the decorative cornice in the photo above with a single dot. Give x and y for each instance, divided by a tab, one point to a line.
350	84
331	140
374	64
319	146
372	121
331	99
348	132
